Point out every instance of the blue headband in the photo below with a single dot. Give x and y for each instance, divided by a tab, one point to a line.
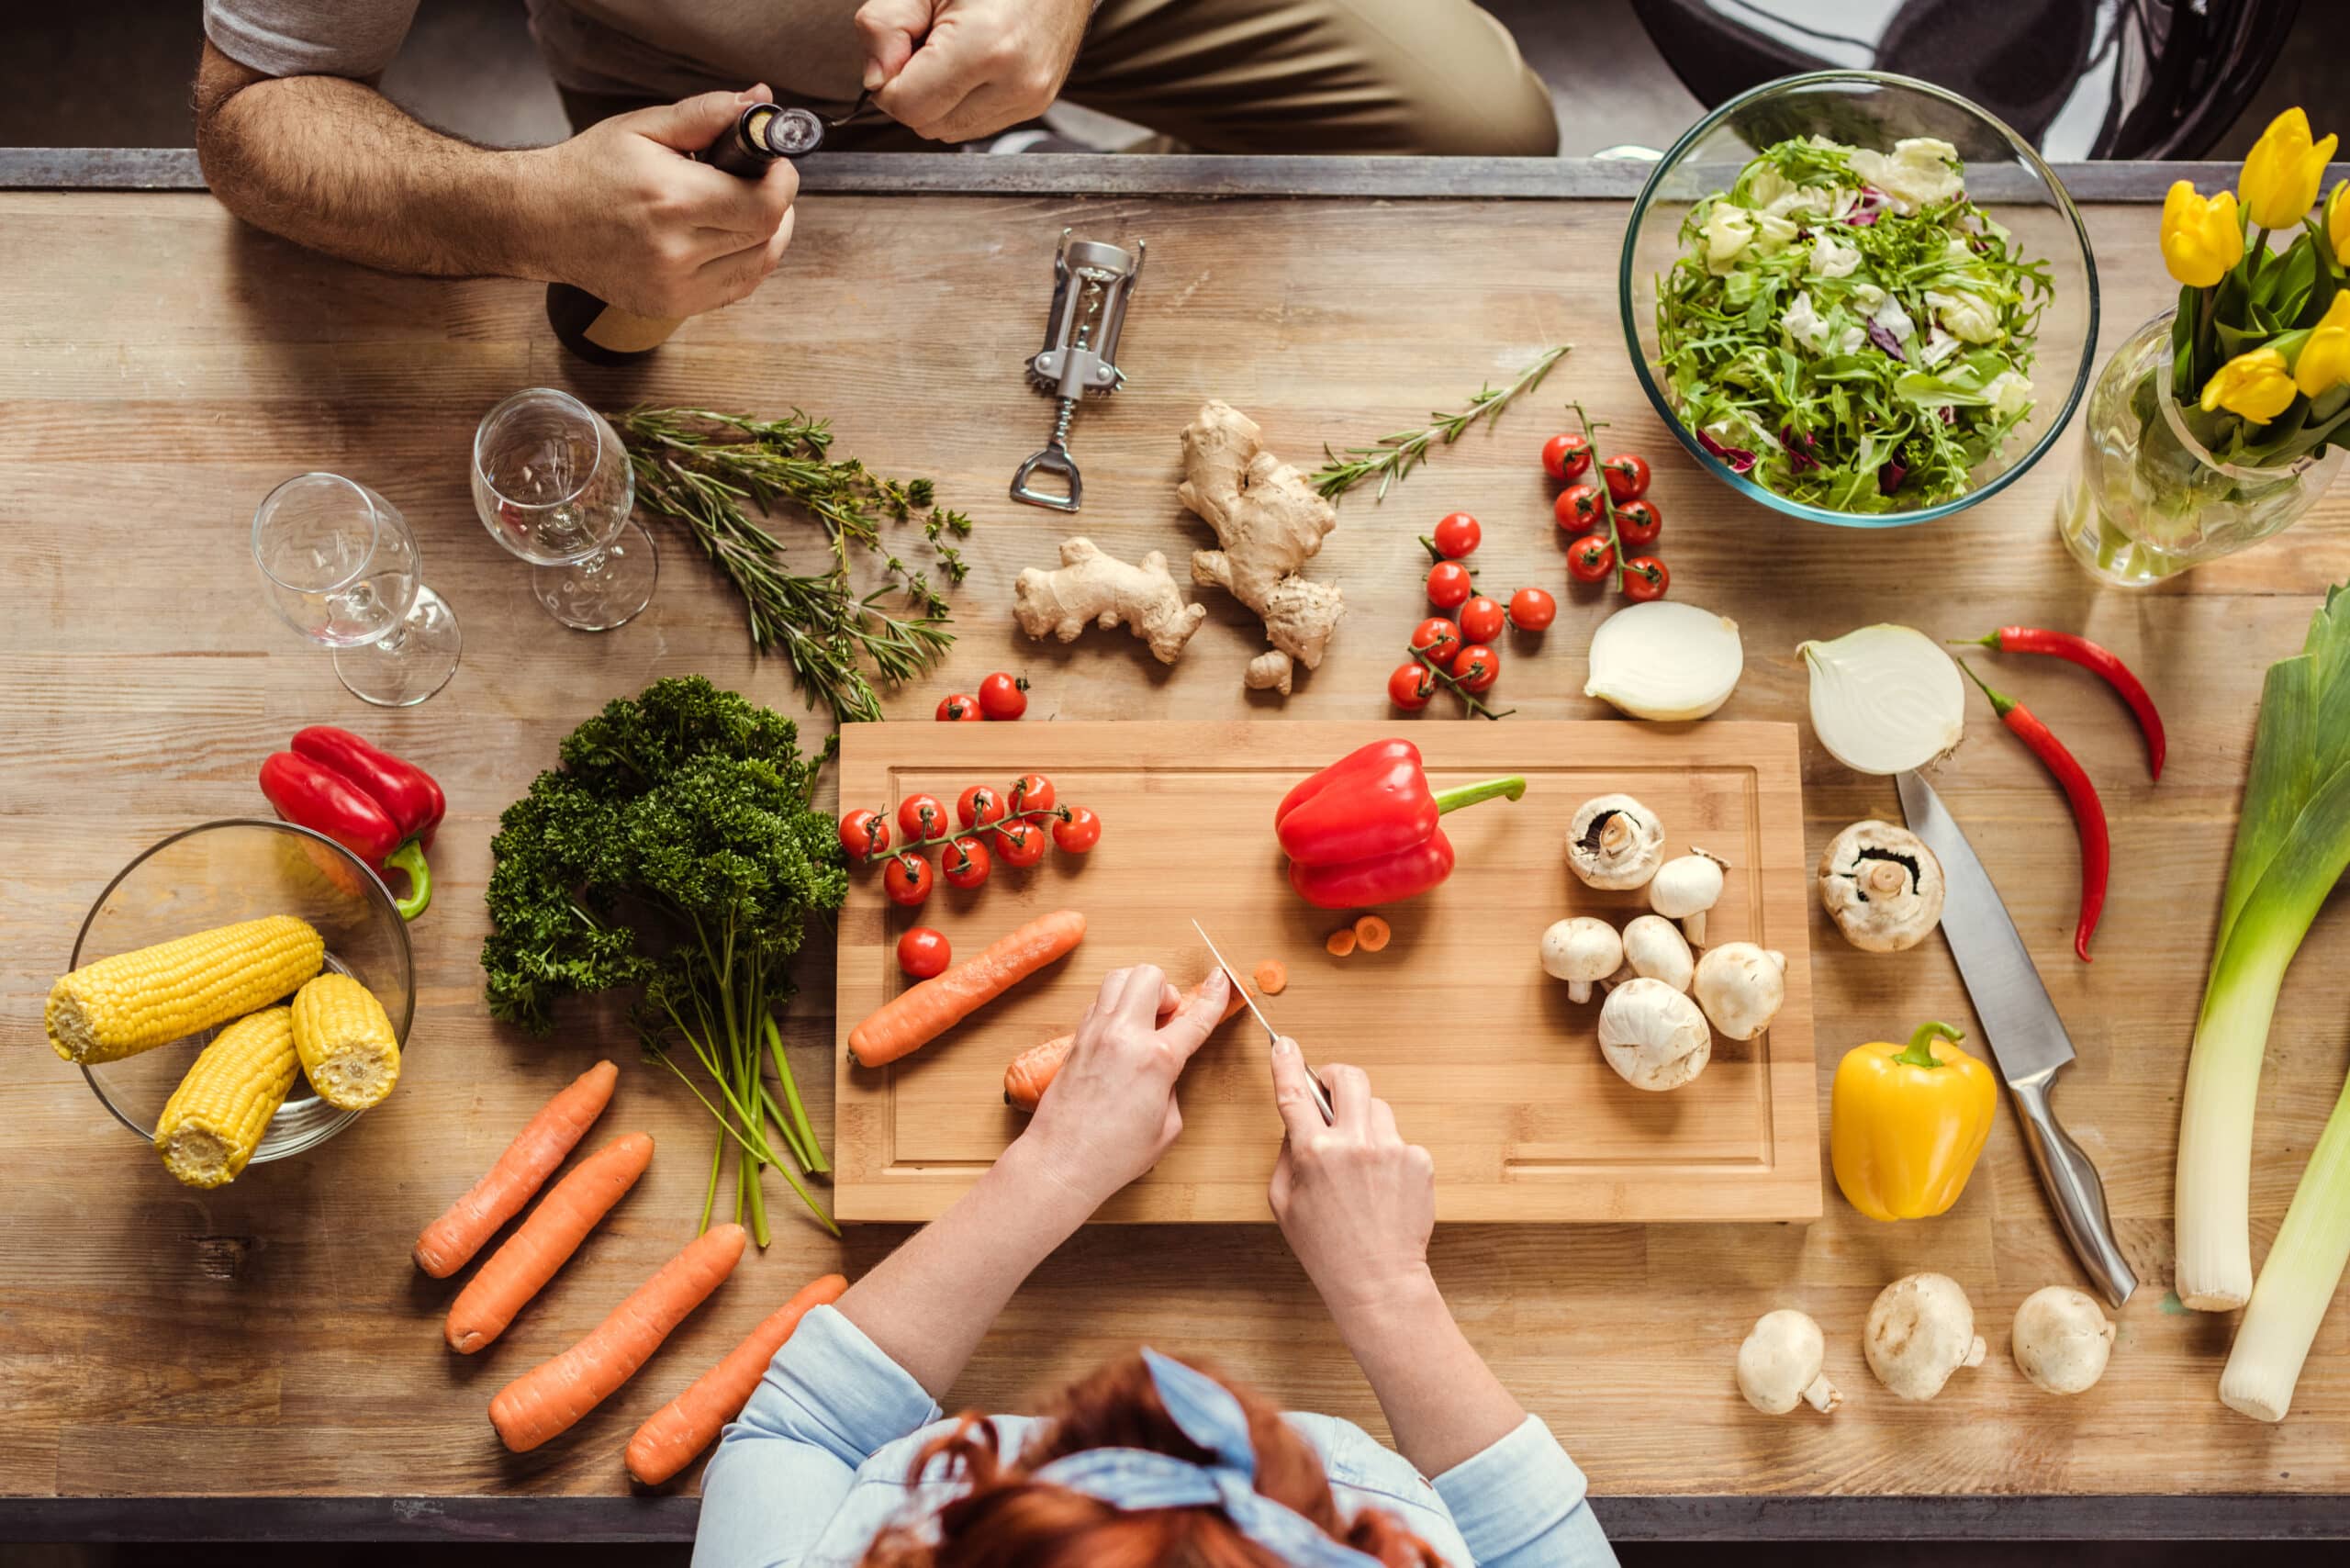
1136	1479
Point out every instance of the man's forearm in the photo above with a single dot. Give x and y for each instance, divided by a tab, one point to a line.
1441	1401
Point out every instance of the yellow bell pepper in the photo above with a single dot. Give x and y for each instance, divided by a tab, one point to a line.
1906	1124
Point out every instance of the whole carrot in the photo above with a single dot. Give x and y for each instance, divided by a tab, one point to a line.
1033	1070
543	1243
685	1426
2088	812
2099	661
448	1242
552	1395
921	1013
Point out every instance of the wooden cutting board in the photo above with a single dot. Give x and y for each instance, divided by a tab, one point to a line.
1486	1061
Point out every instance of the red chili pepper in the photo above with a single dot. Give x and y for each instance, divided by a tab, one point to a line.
310	792
2099	661
402	788
2088	812
1363	829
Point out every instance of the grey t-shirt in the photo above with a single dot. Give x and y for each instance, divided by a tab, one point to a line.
808	50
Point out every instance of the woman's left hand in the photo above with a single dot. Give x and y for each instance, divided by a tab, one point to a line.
1110	1112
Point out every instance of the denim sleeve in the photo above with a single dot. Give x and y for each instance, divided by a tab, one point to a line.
830	1398
1521	1504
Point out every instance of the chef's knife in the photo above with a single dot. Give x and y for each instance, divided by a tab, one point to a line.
1320	1095
2028	1040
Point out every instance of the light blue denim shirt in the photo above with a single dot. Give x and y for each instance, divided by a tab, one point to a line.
817	1464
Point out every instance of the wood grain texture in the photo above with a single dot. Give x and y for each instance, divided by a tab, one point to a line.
165	367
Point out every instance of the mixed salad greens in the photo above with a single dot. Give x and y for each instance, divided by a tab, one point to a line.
1846	328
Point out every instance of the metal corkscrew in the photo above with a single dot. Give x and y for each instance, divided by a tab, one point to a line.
1090	282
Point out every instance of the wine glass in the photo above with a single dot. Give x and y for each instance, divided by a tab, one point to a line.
340	564
552	484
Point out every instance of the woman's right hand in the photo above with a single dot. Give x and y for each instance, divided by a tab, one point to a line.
1355	1202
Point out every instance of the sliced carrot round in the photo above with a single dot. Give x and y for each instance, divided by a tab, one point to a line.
1340	942
1272	977
1372	932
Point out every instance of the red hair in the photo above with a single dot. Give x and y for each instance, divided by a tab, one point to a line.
1005	1519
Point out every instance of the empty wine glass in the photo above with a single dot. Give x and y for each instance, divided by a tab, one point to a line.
552	483
340	564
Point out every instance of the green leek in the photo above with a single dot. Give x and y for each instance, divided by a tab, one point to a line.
2298	1280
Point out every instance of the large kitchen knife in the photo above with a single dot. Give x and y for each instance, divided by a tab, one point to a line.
2028	1040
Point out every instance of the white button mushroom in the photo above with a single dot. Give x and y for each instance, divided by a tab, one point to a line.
1741	988
1653	1035
1921	1329
1615	842
1655	949
1580	951
1779	1365
2062	1339
1882	887
1685	888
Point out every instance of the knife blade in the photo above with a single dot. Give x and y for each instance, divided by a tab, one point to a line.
1312	1080
2026	1038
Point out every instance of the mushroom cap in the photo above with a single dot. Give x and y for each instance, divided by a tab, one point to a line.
1653	1035
1778	1358
1921	1329
1615	842
1741	987
1581	949
1882	887
2061	1339
1686	884
1654	947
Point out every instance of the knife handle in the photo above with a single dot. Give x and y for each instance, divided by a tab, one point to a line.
2072	1184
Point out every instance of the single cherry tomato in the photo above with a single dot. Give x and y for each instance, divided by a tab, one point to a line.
1579	508
1645	578
907	881
1030	792
960	709
1458	535
920	817
1004	696
1021	843
1438	638
1566	457
1449	584
1590	558
1477	667
1078	831
1481	619
1531	610
964	863
979	805
922	952
1637	523
1411	686
1628	477
863	835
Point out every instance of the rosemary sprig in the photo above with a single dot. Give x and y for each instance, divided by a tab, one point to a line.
709	472
1394	456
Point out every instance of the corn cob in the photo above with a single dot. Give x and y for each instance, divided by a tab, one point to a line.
345	1042
216	1117
135	1001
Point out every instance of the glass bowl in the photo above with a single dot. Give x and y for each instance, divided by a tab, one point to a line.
219	874
1869	109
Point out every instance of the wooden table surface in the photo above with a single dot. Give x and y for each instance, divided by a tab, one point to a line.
165	367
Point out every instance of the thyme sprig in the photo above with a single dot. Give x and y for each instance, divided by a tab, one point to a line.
1394	456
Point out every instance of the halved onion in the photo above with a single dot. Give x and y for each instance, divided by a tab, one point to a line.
1885	699
1665	660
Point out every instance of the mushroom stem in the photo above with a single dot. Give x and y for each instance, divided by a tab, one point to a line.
1615	834
1823	1395
1578	990
1883	879
1695	927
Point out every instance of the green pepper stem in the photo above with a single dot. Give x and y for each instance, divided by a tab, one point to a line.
409	857
2002	703
1920	1052
1470	794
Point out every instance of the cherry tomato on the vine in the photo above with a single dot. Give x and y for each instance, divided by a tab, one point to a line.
1532	609
1411	686
1438	638
1566	457
1645	578
1628	476
922	952
1030	792
1579	508
979	805
1637	523
964	863
1021	843
907	881
920	817
1477	667
864	833
1078	832
1458	535
1449	584
1481	620
1004	696
960	709
1591	558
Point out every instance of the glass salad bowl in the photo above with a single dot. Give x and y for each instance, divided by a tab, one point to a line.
1872	110
220	874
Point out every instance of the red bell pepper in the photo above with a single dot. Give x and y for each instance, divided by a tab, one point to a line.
387	834
405	790
1363	831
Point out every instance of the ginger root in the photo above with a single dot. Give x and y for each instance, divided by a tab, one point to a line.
1269	522
1091	585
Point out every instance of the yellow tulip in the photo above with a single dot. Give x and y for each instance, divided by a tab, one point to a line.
2324	360
2337	221
2282	173
2255	385
2201	239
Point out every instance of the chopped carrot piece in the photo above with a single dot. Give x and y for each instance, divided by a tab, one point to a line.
1372	932
1272	977
1340	942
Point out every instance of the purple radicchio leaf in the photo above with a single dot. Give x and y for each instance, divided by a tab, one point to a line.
1883	337
1741	461
1948	415
1889	477
1866	210
1798	449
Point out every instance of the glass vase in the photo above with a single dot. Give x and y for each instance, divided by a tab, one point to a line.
2150	501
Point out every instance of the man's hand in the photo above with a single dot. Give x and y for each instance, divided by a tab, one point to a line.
957	69
620	210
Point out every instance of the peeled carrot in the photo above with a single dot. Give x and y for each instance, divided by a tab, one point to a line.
1033	1070
921	1013
1372	933
543	1243
549	1399
685	1426
1340	943
1272	977
450	1241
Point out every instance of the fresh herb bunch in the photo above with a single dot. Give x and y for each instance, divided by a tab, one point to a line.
710	470
1394	456
674	853
1844	327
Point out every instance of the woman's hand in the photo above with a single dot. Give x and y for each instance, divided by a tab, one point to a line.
1111	1113
1355	1202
